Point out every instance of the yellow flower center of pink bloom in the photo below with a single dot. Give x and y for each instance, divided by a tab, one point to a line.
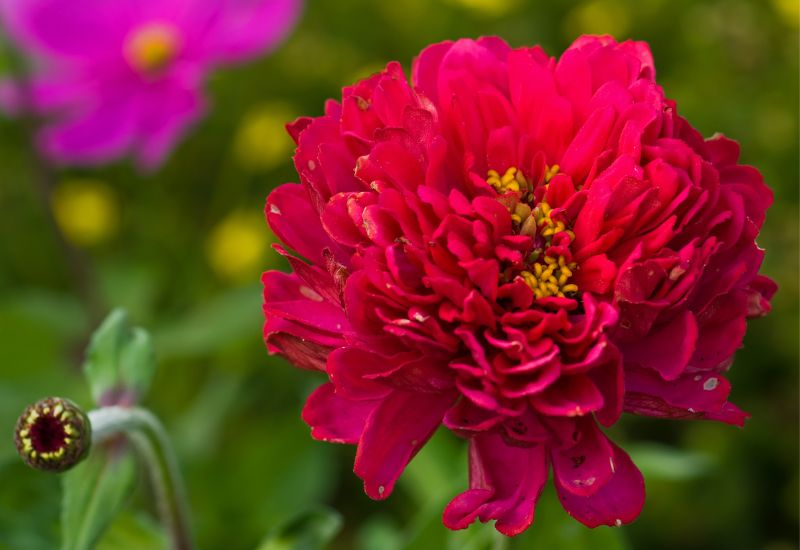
547	275
151	48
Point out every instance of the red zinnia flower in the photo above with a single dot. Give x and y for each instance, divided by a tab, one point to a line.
518	248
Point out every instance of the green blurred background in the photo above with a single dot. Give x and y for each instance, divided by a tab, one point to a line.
182	250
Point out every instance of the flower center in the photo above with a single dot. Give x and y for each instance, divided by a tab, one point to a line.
47	435
151	48
549	267
53	434
48	431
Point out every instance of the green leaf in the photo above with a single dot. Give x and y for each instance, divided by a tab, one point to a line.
308	531
137	362
94	491
133	532
120	358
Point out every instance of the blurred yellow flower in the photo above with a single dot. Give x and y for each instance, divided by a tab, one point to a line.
488	7
261	142
789	10
86	210
237	244
597	17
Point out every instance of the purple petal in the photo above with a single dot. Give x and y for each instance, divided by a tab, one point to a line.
98	135
247	28
170	110
82	29
43	94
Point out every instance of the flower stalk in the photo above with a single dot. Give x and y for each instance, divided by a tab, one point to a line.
150	440
43	180
54	435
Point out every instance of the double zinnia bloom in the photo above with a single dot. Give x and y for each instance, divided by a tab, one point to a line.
519	248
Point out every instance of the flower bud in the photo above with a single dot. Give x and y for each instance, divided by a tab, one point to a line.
53	435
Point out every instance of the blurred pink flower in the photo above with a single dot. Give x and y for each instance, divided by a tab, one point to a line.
519	248
126	77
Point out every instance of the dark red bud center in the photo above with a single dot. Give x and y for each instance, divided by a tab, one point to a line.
47	434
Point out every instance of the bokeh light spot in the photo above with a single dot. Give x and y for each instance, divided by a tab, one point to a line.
261	141
495	8
86	210
598	17
237	245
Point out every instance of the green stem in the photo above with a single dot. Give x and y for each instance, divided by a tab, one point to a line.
149	438
44	179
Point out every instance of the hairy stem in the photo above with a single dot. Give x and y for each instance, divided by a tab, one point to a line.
150	440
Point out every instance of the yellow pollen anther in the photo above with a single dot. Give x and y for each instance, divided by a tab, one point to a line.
522	210
151	48
550	278
511	180
550	172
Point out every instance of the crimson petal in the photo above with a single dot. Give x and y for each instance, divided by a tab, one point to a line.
618	502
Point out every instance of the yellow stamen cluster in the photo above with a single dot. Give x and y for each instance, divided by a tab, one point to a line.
549	227
550	275
551	172
551	279
522	216
512	180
